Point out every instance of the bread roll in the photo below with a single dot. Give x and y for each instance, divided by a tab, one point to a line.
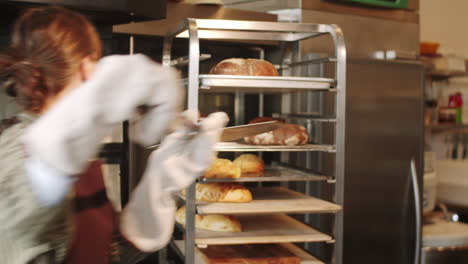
219	223
223	169
250	163
286	134
222	192
251	67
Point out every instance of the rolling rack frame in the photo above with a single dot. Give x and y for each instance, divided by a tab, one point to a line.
196	29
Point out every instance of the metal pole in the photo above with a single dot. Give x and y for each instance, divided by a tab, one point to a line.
193	85
340	105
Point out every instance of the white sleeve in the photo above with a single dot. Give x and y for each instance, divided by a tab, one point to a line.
48	184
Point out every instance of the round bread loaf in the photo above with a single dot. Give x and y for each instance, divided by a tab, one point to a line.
223	169
219	223
250	163
286	134
250	67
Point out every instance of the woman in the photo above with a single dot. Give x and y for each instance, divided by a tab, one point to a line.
71	101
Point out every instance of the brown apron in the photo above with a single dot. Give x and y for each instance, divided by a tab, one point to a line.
95	219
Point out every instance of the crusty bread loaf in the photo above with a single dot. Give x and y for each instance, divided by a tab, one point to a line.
222	192
249	254
286	134
250	163
219	223
223	169
251	67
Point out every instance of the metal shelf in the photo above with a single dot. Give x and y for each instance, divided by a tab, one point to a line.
241	147
273	174
277	228
449	128
304	256
216	29
236	147
271	200
264	84
305	62
263	229
441	74
312	117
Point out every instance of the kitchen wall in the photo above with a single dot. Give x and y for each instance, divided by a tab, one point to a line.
445	22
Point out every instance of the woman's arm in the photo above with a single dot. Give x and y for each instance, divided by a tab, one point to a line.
69	133
63	139
149	217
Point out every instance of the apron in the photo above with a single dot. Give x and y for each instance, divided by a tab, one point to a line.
95	219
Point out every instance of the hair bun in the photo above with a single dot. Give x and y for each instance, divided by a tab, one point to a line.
48	45
19	76
9	87
7	78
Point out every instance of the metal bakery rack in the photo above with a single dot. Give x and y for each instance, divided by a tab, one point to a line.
265	219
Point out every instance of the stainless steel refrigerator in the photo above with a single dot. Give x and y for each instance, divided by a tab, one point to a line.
384	132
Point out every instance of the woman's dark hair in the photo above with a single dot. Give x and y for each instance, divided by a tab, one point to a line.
47	47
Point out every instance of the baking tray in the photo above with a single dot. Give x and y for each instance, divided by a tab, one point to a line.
265	84
239	147
275	173
268	200
263	229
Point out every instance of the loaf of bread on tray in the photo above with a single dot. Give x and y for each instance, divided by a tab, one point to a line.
219	223
250	163
251	67
285	134
222	192
249	254
223	169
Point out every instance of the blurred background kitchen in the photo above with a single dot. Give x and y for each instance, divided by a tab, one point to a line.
407	99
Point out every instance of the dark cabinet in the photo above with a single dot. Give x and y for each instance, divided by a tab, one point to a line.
100	11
